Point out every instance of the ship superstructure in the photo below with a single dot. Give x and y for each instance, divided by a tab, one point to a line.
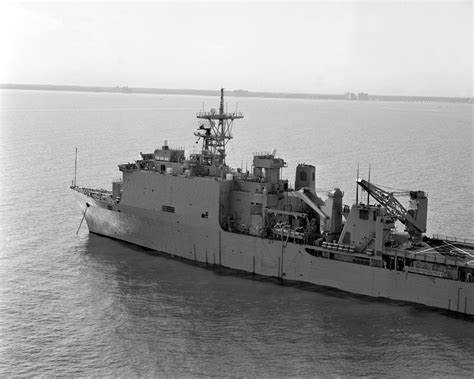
201	209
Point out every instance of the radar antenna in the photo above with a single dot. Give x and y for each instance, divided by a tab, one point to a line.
216	133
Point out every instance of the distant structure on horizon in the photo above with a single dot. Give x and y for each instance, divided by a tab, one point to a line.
350	96
361	96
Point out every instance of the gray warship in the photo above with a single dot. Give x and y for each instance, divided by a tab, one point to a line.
200	209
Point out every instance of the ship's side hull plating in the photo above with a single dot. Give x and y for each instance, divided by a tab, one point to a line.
206	242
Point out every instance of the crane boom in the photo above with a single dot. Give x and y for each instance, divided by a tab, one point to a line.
414	219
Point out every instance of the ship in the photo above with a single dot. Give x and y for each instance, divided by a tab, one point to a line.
199	209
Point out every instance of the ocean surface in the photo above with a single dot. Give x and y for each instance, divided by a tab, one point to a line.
85	305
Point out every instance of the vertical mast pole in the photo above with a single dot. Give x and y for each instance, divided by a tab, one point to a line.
221	127
221	106
369	187
75	168
357	185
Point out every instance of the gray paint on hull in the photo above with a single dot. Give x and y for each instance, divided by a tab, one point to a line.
174	235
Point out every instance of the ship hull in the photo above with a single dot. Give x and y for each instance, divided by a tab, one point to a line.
208	243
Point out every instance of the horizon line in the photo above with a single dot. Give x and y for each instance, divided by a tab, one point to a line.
236	92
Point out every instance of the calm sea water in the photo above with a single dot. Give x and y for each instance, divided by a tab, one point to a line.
83	305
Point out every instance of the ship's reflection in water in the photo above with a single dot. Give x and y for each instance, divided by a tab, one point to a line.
162	316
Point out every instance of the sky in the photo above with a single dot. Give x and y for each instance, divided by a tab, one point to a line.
384	47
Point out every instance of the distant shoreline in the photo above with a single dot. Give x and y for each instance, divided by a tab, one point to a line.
235	93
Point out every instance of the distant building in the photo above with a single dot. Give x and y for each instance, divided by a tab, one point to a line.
362	96
350	96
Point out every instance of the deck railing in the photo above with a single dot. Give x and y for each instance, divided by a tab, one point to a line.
469	241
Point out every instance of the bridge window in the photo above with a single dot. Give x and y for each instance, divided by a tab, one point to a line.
303	176
363	214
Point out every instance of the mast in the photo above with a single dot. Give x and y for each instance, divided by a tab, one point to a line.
216	133
357	185
368	197
75	168
221	106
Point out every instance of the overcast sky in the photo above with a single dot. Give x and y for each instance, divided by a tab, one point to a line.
397	47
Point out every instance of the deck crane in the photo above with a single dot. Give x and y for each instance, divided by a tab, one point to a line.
414	218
